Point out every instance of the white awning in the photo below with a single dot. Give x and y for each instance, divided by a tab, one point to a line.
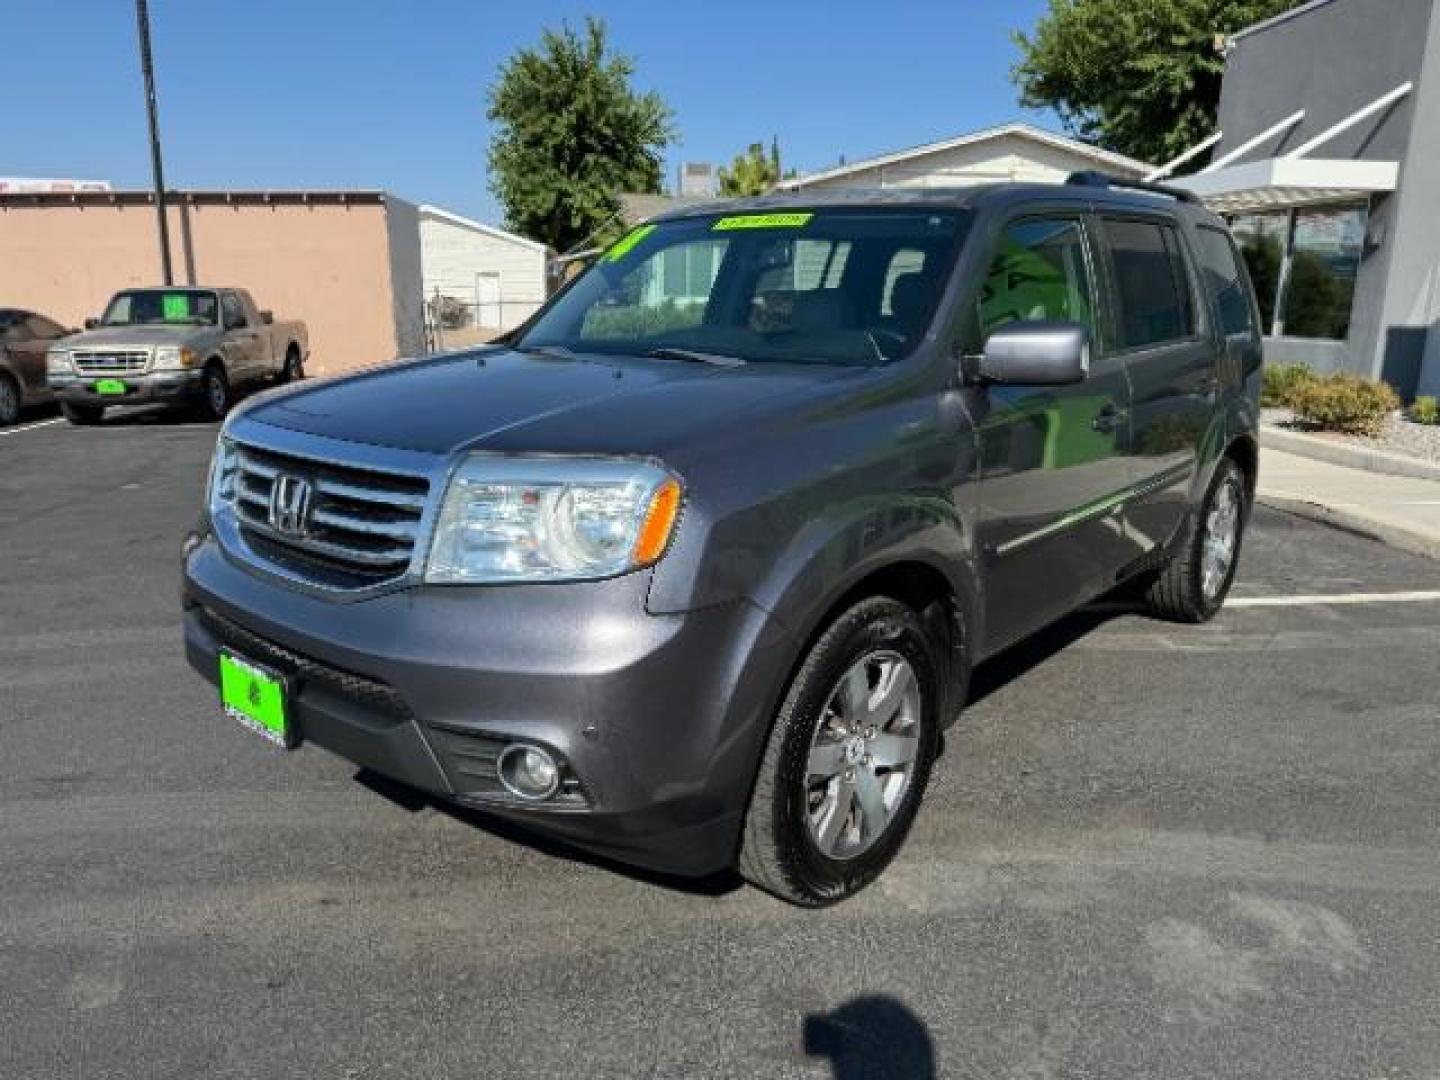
1284	182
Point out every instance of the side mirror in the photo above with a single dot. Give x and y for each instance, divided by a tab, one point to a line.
1037	354
267	317
91	323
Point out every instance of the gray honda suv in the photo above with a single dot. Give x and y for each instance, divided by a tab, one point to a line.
691	570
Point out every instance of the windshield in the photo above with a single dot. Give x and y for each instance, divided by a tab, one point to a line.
854	287
146	307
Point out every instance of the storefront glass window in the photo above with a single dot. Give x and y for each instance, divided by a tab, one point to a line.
1262	241
1328	244
1325	260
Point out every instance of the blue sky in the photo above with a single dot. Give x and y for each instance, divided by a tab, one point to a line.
388	94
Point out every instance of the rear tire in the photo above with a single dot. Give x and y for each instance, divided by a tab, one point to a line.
82	415
294	369
214	393
9	401
1192	586
848	758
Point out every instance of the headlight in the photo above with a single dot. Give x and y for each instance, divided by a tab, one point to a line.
551	519
57	362
223	468
173	357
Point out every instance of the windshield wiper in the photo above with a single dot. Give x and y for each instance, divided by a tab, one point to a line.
692	357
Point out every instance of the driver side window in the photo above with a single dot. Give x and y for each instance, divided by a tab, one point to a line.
1039	274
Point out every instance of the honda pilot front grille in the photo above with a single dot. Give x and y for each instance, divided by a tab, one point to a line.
339	526
105	362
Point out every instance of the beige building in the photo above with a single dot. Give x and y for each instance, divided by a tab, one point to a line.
1009	153
348	263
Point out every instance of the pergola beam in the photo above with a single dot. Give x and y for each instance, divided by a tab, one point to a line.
1378	105
1189	155
1259	140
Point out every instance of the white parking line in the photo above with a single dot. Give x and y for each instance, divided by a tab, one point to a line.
1415	597
32	427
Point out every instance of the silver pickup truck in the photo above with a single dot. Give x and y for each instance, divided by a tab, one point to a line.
189	345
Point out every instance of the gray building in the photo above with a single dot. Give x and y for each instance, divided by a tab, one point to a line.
1327	163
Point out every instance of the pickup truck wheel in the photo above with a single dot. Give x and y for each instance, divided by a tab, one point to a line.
82	415
215	393
848	758
1192	586
294	369
9	401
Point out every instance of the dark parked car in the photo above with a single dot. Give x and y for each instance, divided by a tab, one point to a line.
693	568
24	339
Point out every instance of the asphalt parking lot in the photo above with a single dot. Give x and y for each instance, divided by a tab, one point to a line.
1149	851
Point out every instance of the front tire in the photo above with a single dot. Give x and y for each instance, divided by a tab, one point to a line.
82	415
848	758
9	401
214	393
1193	584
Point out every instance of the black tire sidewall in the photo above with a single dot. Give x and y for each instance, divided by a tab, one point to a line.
870	626
11	403
212	374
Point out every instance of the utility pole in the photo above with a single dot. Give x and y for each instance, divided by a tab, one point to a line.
162	222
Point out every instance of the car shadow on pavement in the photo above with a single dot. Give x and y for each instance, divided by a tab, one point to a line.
987	678
873	1036
1018	660
414	800
153	416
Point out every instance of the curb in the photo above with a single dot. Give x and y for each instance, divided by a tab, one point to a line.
1338	453
1384	532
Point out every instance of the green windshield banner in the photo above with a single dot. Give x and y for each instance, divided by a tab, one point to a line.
763	221
175	307
626	243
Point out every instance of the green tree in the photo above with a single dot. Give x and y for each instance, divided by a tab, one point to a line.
1141	79
571	136
752	173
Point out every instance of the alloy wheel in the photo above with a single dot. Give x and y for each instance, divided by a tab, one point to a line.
1222	533
862	755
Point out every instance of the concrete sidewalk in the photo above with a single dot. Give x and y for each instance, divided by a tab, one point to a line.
1401	511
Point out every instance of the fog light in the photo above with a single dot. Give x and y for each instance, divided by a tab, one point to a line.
529	772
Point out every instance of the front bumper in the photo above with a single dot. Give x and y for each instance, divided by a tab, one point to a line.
158	386
659	719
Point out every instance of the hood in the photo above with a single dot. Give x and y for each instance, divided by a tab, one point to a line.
144	336
513	402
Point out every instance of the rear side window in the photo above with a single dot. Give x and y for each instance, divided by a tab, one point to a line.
1225	282
1151	284
1039	274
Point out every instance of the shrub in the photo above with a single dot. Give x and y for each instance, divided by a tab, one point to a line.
1345	403
1426	410
1279	382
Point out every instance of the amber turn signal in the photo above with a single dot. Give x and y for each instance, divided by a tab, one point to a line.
659	523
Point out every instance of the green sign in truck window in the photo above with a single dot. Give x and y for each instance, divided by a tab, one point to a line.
175	307
763	221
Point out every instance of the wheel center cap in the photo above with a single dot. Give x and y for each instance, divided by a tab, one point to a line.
854	750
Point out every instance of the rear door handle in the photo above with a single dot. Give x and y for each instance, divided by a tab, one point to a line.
1108	419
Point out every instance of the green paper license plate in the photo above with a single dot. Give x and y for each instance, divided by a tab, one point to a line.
257	698
110	387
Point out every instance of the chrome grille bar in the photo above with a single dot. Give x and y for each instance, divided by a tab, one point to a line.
363	524
108	362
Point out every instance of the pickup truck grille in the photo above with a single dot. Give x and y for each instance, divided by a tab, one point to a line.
362	525
104	362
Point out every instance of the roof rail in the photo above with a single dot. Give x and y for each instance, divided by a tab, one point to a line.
1091	178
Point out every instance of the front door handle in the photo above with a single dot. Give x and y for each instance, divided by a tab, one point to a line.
1108	419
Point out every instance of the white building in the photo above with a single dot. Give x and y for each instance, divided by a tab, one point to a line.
1011	152
489	279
